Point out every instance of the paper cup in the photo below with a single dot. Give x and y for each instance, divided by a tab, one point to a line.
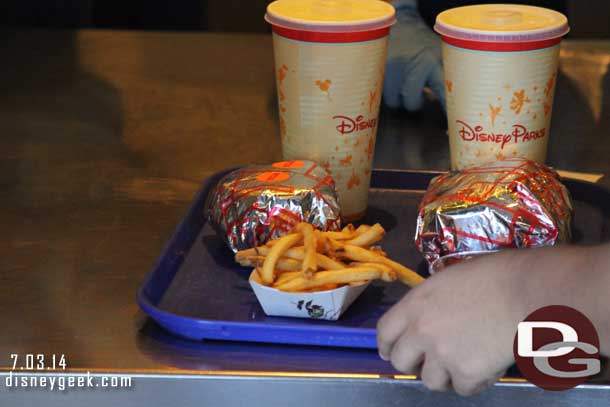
500	72
329	59
329	305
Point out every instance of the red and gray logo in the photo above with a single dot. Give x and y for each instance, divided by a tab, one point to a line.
557	348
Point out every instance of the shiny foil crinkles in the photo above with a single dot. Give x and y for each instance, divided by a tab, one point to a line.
254	204
511	203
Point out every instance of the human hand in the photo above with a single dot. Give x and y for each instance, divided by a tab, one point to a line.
414	60
456	330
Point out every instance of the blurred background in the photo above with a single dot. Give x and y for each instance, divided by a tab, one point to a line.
588	18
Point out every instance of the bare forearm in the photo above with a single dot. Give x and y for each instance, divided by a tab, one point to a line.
578	277
593	298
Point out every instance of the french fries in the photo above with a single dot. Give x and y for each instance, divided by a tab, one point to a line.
344	276
387	274
374	234
283	263
406	275
310	263
311	260
267	272
285	277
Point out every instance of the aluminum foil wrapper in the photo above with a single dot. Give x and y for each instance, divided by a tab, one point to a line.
511	203
254	204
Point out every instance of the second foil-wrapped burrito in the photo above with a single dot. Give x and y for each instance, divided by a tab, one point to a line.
507	203
254	204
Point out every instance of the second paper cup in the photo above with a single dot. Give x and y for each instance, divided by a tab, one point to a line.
500	72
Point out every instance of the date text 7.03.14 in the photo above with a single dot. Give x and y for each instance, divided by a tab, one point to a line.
38	362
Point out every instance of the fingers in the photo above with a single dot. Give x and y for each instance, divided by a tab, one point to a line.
390	327
434	376
415	76
469	386
414	62
496	378
436	81
392	83
465	387
424	69
406	355
403	345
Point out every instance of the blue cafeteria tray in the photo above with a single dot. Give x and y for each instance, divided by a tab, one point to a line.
197	291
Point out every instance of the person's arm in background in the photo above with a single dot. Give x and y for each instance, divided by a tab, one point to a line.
457	329
414	60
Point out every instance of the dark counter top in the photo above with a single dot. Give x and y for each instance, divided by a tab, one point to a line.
107	136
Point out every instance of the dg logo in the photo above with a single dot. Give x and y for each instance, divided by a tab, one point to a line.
557	348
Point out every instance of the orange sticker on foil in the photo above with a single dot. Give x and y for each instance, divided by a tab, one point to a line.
289	164
272	176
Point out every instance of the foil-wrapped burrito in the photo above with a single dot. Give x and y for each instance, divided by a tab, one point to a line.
507	203
254	204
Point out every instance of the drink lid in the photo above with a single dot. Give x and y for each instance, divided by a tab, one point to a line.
331	16
502	23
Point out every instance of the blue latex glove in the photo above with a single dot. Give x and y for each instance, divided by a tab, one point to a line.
414	60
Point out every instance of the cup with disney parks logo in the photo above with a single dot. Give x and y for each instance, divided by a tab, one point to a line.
329	62
500	66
